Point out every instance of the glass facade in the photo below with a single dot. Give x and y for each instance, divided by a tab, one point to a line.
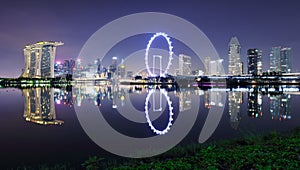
39	60
185	65
285	57
254	61
235	66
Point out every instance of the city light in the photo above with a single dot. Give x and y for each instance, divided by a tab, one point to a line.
170	53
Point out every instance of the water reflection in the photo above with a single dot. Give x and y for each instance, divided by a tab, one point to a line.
235	99
162	93
254	103
280	106
39	106
40	102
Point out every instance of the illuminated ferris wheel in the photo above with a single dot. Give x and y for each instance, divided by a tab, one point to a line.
152	74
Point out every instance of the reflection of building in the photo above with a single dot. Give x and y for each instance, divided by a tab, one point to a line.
254	62
254	104
235	66
280	107
185	101
235	100
39	106
129	74
207	99
185	65
39	59
216	98
63	96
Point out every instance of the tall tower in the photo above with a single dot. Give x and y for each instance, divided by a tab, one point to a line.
254	61
185	64
206	65
113	66
39	59
275	59
235	66
280	59
285	57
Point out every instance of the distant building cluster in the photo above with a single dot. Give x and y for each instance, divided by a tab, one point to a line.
98	70
40	63
62	69
280	60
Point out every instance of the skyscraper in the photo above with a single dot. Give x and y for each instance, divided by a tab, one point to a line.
39	59
216	67
122	70
185	65
285	57
280	60
275	65
254	61
235	66
113	66
206	65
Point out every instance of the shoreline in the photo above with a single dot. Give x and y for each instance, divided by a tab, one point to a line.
269	151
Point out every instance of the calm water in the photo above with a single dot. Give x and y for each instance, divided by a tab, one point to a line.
45	125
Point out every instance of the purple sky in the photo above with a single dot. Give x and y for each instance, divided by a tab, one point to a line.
257	24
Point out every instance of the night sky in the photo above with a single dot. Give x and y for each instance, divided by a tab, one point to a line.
257	24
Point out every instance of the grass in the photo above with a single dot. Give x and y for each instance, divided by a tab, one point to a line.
272	151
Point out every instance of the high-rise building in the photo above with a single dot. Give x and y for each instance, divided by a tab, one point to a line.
122	70
216	67
254	61
235	66
69	66
58	69
280	59
275	65
39	59
113	66
285	57
206	65
185	65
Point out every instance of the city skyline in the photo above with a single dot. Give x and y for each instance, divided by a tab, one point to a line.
81	25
